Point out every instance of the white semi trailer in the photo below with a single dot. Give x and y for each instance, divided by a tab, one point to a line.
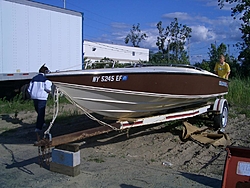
33	34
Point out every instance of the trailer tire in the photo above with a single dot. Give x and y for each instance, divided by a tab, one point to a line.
220	120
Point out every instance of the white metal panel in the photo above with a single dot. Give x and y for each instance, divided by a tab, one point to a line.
58	40
67	41
9	40
33	34
1	38
38	39
96	51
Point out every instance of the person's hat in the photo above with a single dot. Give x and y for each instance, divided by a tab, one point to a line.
44	69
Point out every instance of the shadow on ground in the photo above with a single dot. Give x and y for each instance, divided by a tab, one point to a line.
15	131
207	181
23	133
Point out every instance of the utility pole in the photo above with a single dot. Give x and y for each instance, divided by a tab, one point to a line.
168	51
188	50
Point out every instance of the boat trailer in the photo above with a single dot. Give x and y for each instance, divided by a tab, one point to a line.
219	110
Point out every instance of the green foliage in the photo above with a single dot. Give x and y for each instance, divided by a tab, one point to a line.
97	160
171	42
242	8
135	36
214	55
239	90
158	58
236	69
105	63
15	105
205	65
86	62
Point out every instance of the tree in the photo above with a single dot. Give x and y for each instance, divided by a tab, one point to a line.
157	58
214	54
135	36
242	8
205	65
171	41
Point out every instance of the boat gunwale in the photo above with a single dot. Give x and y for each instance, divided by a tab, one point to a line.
82	73
137	70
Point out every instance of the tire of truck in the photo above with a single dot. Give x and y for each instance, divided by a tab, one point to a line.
220	120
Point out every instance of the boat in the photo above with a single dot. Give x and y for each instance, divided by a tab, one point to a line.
123	93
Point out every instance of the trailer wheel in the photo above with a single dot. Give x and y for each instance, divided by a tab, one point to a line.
220	121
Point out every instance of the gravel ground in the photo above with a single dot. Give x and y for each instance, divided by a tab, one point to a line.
152	156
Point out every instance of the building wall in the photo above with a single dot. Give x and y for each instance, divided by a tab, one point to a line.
95	51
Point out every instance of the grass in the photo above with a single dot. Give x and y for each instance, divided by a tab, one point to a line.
239	92
17	104
153	160
239	95
63	113
97	160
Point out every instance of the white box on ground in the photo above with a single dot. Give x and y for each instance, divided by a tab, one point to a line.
66	158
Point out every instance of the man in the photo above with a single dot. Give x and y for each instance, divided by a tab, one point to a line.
222	69
39	89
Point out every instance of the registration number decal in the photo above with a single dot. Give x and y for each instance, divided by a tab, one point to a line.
221	83
110	78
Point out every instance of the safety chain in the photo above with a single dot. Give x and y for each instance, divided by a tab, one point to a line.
43	156
44	153
44	150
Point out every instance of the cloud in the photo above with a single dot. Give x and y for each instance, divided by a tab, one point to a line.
202	33
223	29
227	28
151	40
120	25
178	15
210	3
207	29
186	18
214	3
149	43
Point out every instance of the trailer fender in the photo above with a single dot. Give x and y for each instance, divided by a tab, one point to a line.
219	104
220	109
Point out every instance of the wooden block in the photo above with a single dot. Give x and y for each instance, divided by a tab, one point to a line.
66	158
74	147
67	170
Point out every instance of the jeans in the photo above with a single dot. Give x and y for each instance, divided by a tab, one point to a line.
40	106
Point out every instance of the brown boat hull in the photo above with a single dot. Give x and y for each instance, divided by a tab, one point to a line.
122	93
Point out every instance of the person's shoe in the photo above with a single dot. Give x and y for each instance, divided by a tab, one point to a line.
37	130
36	143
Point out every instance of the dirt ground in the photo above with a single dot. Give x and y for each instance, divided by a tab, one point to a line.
152	156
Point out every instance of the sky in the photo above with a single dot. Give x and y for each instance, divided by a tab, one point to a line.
110	21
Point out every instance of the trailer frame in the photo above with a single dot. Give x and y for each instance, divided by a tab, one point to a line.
218	109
